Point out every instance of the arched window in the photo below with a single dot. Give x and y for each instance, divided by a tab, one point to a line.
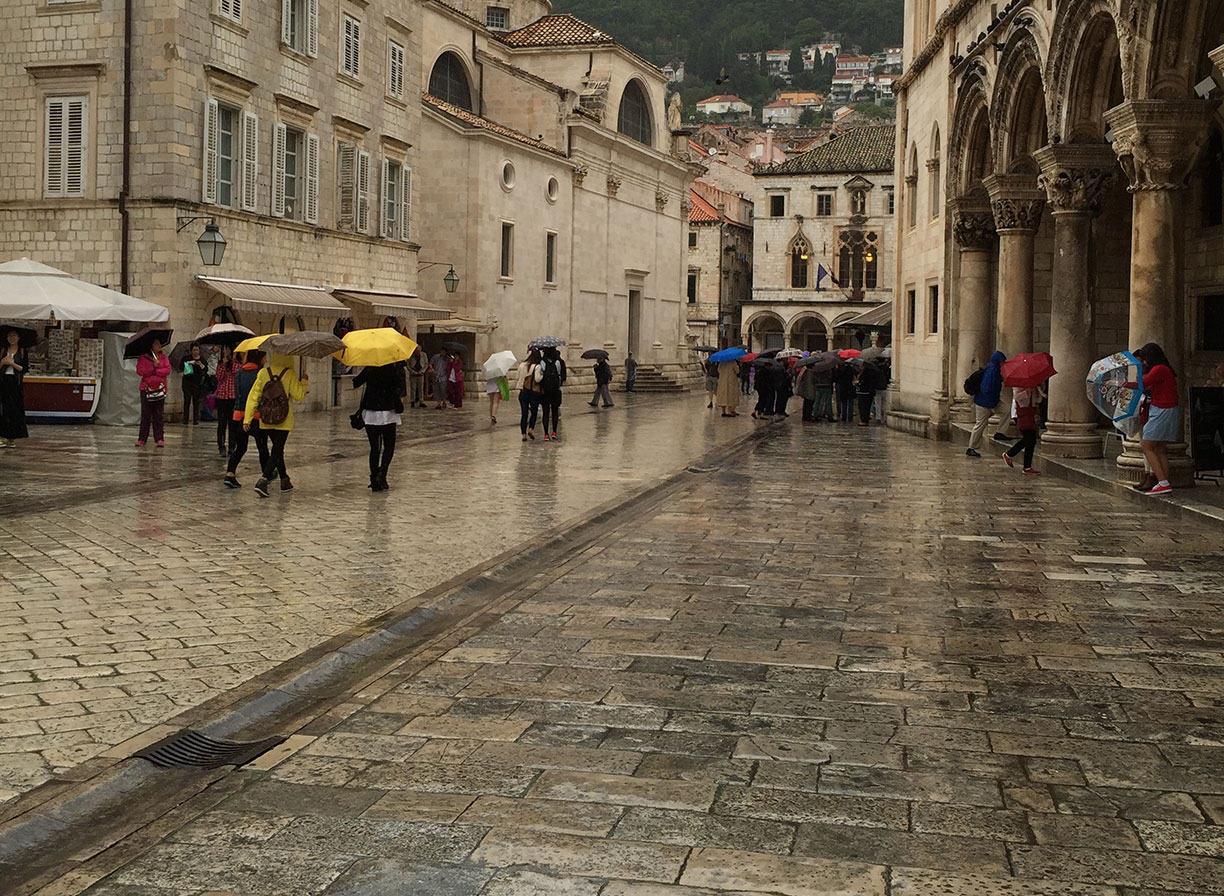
449	82
911	187
858	261
800	261
633	119
933	167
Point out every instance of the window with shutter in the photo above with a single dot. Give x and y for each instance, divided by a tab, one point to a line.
290	20
65	145
363	192
346	186
300	25
250	159
406	205
312	27
312	179
231	9
350	59
280	159
208	192
395	70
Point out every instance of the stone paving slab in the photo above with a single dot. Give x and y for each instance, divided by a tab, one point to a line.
934	755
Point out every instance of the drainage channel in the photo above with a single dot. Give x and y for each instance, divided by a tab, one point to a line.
101	822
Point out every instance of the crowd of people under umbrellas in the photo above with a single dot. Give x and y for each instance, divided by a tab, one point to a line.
831	384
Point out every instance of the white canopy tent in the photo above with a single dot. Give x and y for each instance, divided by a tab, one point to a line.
33	291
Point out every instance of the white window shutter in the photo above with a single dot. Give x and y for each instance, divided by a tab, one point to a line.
346	186
236	9
211	136
312	179
74	169
286	21
383	227
395	69
312	27
406	205
53	168
278	171
250	159
363	192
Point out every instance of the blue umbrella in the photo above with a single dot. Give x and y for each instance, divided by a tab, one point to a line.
727	354
1115	388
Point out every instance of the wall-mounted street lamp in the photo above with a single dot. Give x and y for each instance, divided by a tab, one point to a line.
211	243
450	281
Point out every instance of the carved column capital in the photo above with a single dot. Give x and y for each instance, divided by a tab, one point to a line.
614	184
1158	141
973	230
1076	177
1016	201
580	173
661	199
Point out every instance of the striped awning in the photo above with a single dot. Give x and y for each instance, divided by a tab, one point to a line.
275	298
879	317
391	303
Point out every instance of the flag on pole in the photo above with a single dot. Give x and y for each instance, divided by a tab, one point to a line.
821	273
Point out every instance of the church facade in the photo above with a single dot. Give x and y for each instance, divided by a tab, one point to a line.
1061	190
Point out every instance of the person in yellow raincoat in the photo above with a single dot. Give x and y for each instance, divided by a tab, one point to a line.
295	387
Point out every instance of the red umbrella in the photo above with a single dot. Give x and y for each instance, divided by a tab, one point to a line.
1028	371
749	358
847	353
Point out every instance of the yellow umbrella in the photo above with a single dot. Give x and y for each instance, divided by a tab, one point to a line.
376	347
254	342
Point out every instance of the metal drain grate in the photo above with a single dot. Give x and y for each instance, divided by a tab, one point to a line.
191	749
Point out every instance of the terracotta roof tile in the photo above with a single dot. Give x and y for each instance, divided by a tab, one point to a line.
558	30
868	148
476	122
701	212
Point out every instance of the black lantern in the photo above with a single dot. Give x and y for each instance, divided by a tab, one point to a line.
451	280
211	243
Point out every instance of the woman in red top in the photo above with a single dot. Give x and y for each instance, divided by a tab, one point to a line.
227	367
154	370
1164	418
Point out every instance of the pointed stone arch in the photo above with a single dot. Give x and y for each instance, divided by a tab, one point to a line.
970	156
1087	71
1019	114
799	260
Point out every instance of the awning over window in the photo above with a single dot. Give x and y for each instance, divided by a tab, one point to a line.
458	324
879	317
276	298
391	303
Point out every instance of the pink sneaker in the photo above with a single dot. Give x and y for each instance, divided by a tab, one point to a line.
1029	471
1159	489
1007	460
140	444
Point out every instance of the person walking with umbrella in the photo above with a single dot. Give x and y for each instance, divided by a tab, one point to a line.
727	394
288	388
153	368
1027	402
603	379
225	396
240	435
765	394
529	393
985	400
195	368
711	381
13	364
631	366
454	380
552	378
1163	419
381	407
439	364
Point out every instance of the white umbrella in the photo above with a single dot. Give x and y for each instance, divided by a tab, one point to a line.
499	364
33	291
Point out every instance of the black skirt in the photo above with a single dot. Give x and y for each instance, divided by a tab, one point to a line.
12	408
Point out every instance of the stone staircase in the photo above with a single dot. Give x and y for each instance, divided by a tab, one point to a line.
649	379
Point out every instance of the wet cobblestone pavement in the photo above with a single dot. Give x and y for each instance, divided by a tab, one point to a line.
849	662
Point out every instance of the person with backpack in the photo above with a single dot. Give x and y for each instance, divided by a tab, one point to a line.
240	435
272	396
552	378
989	382
603	379
529	393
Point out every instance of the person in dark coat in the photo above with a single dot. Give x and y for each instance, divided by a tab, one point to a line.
603	379
381	406
782	389
13	364
845	393
866	385
240	436
195	369
765	394
985	402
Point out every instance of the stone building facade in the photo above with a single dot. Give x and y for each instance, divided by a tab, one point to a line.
831	208
307	131
719	264
1062	191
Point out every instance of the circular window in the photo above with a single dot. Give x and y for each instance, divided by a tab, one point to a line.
507	176
554	189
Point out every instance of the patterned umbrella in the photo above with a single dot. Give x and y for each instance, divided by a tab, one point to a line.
223	334
546	342
1115	387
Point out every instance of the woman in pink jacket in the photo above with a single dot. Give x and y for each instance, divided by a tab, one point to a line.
154	371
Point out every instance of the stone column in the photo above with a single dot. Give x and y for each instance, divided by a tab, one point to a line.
1016	202
1158	143
973	230
1076	178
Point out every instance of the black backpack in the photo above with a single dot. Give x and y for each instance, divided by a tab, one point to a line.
274	400
550	379
973	383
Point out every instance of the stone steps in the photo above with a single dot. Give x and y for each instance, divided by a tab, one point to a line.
649	379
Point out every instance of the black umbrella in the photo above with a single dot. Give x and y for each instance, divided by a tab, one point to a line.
180	353
821	361
704	348
223	334
454	346
26	337
142	342
768	353
595	354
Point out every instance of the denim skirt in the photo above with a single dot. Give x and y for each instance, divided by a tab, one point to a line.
1161	425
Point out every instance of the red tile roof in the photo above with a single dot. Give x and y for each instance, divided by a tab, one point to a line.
867	148
701	212
558	30
721	98
476	122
